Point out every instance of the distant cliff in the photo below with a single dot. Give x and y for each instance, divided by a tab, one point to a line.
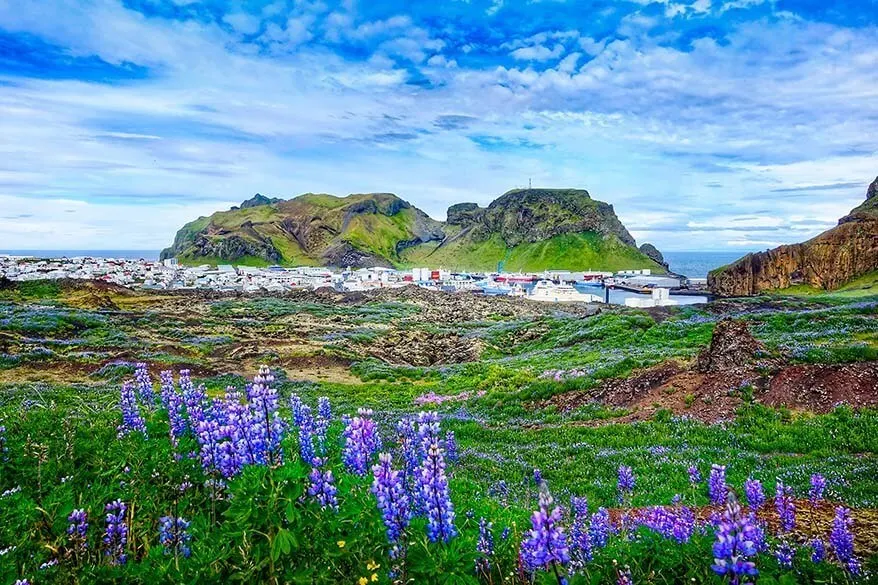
526	229
828	261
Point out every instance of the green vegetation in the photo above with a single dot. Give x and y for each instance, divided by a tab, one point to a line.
539	397
567	230
584	251
864	286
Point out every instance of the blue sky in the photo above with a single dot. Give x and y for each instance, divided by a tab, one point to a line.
708	124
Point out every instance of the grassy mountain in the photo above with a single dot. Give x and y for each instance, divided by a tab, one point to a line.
830	261
530	229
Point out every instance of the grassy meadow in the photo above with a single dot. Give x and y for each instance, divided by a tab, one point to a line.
543	412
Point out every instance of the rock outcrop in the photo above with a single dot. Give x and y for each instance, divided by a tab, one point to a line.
533	215
731	346
257	200
653	252
827	262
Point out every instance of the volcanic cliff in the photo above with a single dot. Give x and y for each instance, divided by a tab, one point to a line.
525	229
827	262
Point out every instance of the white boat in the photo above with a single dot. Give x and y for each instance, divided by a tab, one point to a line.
548	291
494	288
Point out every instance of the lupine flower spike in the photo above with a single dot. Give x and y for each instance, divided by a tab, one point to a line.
546	545
174	536
737	538
116	533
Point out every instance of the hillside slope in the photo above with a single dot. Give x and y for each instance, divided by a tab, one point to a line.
530	229
828	261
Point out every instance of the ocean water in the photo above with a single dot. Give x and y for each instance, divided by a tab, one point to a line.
118	254
695	264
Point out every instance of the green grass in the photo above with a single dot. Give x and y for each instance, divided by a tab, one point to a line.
585	251
863	286
64	451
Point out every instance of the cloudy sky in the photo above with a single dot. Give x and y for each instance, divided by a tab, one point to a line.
709	124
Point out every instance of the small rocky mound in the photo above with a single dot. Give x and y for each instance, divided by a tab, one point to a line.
421	348
732	346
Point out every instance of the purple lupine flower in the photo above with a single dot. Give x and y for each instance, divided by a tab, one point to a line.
784	554
626	482
266	418
174	536
209	437
676	523
77	529
716	485
241	439
623	576
144	385
22	582
193	396
754	493
736	542
485	547
306	435
166	386
393	500
505	534
116	533
818	551
407	433
361	442
546	544
580	539
434	496
175	406
132	422
324	408
538	477
428	429
600	528
786	506
321	423
322	486
818	486
841	540
4	450
694	475
296	408
450	447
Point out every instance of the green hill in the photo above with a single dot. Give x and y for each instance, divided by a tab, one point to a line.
527	230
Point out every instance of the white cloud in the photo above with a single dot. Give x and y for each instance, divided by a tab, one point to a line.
537	53
568	63
669	136
243	22
494	8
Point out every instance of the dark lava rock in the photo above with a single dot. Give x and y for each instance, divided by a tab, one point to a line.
732	346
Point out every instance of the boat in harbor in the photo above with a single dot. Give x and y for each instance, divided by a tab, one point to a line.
494	288
550	292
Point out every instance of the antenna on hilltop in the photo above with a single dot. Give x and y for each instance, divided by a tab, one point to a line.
529	186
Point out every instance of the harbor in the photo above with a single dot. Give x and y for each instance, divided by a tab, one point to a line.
635	288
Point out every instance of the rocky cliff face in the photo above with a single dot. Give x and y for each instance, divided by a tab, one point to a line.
380	229
828	261
533	215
